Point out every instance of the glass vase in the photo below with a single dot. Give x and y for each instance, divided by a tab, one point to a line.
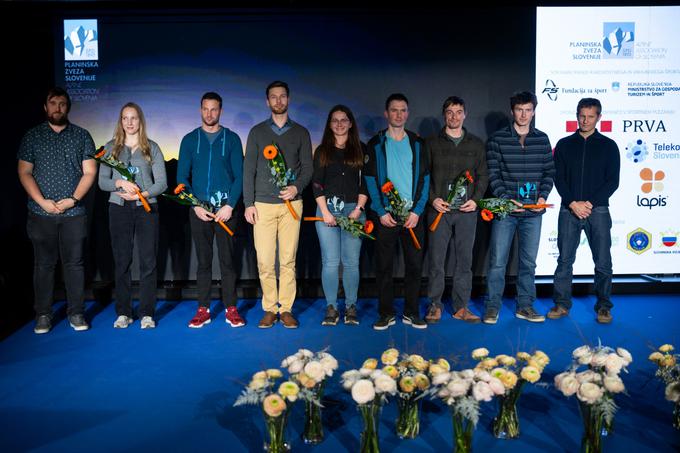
593	422
313	431
462	434
408	419
676	416
276	430
370	413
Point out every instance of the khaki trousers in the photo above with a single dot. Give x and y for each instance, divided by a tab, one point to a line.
275	222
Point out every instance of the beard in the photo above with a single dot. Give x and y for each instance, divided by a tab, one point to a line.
279	110
58	119
212	122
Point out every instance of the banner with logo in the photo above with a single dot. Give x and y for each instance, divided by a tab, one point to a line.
629	59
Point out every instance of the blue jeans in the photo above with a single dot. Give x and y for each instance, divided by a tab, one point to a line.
338	246
598	231
502	233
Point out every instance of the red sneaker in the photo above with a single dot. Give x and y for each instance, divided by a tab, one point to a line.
233	318
201	317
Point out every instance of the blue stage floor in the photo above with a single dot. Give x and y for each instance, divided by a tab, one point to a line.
172	388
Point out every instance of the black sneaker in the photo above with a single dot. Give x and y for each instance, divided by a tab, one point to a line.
78	322
490	316
43	324
331	317
351	317
384	322
414	321
529	314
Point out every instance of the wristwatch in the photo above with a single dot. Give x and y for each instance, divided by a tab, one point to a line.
361	208
76	201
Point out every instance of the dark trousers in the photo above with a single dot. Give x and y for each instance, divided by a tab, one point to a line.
386	243
130	224
598	231
461	226
203	234
55	237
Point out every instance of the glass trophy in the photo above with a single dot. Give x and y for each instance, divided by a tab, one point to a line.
527	192
460	195
336	204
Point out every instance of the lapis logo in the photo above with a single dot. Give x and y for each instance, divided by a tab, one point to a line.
618	40
81	40
637	151
639	241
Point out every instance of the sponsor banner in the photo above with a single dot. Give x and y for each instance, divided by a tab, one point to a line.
629	59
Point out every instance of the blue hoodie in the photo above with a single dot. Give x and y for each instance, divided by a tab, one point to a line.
212	172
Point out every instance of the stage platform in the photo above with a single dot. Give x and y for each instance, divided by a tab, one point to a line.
173	388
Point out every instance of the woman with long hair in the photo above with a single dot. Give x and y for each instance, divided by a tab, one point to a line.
339	191
129	221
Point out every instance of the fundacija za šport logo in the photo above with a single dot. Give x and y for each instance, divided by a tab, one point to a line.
639	241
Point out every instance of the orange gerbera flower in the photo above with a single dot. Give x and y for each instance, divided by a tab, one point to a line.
368	227
270	152
487	215
387	187
179	188
468	176
100	152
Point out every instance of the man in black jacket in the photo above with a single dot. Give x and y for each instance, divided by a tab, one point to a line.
587	168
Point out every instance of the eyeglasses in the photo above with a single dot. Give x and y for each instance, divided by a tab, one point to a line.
341	121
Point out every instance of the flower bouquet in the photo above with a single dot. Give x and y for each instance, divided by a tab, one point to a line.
412	386
369	388
669	373
595	389
501	207
456	194
126	172
353	227
310	370
399	208
181	196
282	176
513	372
261	391
462	391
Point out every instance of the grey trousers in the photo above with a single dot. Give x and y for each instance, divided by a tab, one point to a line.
457	229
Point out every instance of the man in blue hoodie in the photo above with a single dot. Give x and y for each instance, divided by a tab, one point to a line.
587	168
211	167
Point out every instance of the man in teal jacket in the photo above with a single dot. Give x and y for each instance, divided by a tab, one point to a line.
211	167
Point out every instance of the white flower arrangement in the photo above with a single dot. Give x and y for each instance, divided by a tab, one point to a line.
597	385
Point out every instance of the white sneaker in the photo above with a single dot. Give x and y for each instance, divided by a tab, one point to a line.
122	322
148	323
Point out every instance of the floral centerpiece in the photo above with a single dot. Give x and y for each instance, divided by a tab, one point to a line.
282	176
182	196
463	391
369	388
595	389
310	371
126	172
455	196
399	208
501	207
669	373
412	385
261	391
514	373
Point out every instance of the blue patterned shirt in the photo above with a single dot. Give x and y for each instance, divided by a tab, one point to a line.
57	159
